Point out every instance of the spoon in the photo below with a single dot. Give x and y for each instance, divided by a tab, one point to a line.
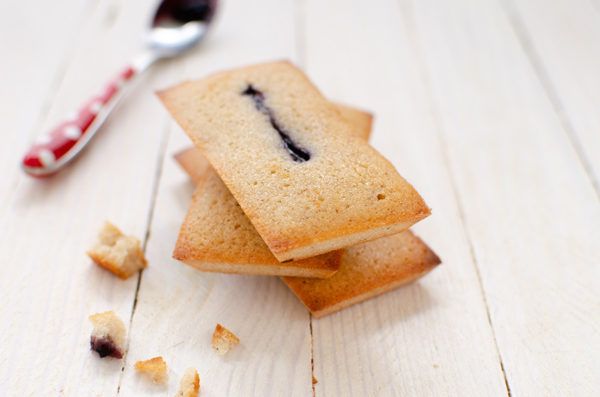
177	26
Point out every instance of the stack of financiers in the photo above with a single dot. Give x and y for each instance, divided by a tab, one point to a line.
288	186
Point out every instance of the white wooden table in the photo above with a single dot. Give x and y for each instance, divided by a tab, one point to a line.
490	108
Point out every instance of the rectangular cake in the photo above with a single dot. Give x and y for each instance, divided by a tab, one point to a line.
367	270
288	157
217	236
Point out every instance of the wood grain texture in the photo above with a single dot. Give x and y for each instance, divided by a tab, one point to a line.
419	339
530	209
178	307
561	40
487	107
49	286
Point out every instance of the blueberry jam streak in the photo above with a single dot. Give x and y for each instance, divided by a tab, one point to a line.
298	153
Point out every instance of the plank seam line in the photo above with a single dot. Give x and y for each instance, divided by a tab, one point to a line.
550	90
438	124
312	355
160	158
472	254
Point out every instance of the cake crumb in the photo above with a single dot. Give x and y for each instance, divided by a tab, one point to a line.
120	254
108	335
190	384
223	340
155	368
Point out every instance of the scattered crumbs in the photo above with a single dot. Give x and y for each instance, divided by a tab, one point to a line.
108	334
155	368
190	384
223	340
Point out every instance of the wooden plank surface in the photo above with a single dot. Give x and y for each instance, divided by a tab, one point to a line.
561	40
49	286
178	307
530	209
417	340
487	107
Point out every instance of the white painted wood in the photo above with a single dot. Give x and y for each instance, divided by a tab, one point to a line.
530	209
431	338
48	285
178	307
561	38
456	99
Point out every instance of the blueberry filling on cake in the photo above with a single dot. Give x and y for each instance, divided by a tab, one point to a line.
298	153
105	347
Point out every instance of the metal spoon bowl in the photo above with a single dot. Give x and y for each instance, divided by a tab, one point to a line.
179	25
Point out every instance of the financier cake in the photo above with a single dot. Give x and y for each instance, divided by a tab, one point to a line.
287	156
367	270
217	236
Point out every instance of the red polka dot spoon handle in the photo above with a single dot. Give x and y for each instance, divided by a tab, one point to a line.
177	26
53	150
